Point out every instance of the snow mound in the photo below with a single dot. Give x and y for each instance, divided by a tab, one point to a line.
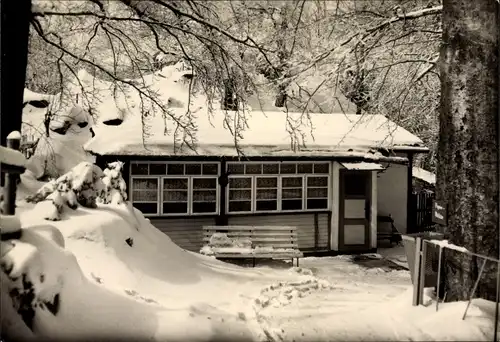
107	272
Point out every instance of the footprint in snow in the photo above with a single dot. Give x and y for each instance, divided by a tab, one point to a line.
136	295
282	293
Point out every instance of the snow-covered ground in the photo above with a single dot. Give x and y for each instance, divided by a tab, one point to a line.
119	277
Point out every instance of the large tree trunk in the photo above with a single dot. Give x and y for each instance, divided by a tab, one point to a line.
468	170
15	32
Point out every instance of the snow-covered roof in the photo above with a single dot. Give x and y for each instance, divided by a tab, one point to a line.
424	175
265	135
363	166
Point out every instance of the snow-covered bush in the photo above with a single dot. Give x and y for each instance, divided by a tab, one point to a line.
115	188
27	280
86	184
81	185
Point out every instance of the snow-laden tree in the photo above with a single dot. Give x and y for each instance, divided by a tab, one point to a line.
82	185
86	185
115	188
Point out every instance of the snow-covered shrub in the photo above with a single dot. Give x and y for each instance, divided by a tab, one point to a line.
25	277
115	188
81	185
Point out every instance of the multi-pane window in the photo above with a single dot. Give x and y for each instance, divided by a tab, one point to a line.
170	188
175	188
175	196
273	186
240	194
266	197
317	192
291	193
145	194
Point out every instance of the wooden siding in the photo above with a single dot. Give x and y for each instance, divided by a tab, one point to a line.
304	223
323	231
184	232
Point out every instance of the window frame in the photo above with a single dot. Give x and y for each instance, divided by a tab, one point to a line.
328	189
280	176
160	188
254	194
304	190
162	178
228	188
191	194
131	193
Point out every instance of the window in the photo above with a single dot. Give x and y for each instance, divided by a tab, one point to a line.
291	193
145	194
204	195
240	194
274	186
355	184
175	195
266	198
317	192
171	188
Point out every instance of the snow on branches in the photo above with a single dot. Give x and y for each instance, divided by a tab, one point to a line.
115	189
86	184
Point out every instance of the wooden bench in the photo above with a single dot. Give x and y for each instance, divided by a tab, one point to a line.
267	242
389	232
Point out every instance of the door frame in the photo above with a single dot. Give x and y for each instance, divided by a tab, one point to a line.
368	203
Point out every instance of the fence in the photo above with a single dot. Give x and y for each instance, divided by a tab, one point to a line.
424	252
422	204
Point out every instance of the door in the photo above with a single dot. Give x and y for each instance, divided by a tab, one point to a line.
354	213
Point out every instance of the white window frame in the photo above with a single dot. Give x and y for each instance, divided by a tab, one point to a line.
188	195
217	191
254	193
279	209
252	186
159	211
131	193
304	190
328	189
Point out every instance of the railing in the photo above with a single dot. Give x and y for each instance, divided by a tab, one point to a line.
427	269
13	164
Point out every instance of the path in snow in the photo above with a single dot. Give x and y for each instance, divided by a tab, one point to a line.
319	308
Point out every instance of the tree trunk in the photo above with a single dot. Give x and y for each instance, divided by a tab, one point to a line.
14	47
15	32
468	170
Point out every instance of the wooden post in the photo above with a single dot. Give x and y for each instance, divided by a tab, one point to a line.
439	276
475	287
416	271
10	184
495	334
410	202
423	261
222	218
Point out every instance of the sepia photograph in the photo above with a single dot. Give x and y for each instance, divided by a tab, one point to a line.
249	170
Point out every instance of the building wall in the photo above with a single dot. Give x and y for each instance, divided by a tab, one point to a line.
392	189
185	232
334	175
373	211
303	222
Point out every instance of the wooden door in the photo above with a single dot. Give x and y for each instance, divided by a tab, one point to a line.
354	213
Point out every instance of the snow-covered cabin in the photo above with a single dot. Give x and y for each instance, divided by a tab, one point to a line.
330	178
351	169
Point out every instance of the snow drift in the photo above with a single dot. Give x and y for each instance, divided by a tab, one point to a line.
107	273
